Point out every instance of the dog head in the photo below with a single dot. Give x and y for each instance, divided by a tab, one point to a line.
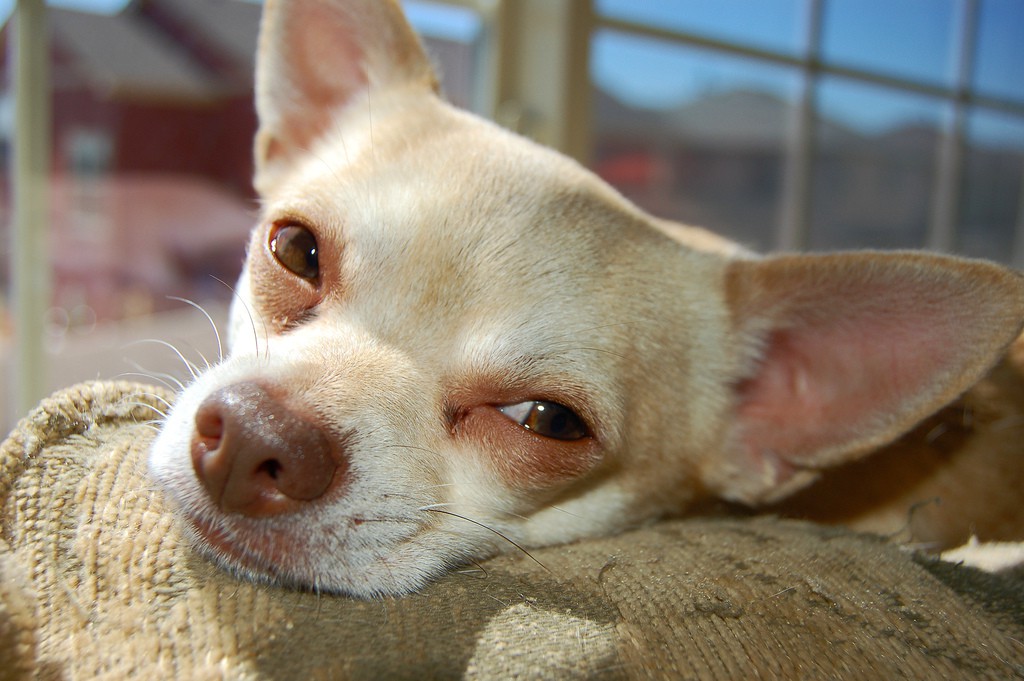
448	340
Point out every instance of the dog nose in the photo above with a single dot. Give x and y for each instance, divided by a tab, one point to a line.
257	457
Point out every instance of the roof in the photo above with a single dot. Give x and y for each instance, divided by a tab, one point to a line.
155	49
745	119
232	26
125	55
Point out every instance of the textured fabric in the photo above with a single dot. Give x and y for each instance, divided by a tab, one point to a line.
98	583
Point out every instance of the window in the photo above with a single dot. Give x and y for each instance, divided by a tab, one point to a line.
455	39
688	148
818	123
784	124
150	195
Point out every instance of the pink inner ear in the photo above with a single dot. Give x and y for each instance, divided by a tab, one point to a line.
322	65
330	57
853	350
317	57
819	386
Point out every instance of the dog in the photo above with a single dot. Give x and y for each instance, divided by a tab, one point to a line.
449	341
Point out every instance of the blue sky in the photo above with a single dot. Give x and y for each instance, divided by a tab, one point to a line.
912	39
106	6
450	23
903	38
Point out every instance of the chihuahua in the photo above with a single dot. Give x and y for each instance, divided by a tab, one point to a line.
448	341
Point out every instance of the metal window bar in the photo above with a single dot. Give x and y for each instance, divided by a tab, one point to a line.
1018	243
30	177
793	231
794	223
946	194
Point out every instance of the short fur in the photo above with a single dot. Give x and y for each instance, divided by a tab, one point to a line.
462	268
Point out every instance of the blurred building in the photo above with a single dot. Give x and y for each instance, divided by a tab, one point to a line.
152	134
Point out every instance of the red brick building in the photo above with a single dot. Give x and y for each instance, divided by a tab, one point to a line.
152	132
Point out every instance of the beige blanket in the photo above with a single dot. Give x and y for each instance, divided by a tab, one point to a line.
98	583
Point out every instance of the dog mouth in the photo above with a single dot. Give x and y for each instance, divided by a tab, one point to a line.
304	557
259	553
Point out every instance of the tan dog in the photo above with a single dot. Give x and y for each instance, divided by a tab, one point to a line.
449	339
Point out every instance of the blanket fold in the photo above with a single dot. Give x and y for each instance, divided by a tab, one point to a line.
97	581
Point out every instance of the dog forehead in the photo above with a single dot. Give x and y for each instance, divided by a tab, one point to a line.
484	227
445	194
446	221
444	171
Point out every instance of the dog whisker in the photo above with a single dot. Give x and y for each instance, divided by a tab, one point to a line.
478	571
206	362
495	509
192	368
508	539
147	376
169	380
162	415
252	320
159	399
564	511
197	351
213	325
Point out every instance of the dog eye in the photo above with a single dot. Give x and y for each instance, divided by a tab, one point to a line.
295	248
549	419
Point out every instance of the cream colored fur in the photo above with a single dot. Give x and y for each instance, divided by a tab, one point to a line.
463	268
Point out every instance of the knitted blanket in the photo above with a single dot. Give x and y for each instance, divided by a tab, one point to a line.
97	582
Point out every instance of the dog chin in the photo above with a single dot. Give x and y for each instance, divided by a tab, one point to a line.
299	553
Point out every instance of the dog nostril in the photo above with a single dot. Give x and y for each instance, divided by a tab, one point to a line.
270	467
255	456
209	426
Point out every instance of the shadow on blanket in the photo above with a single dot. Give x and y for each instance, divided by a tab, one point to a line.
96	581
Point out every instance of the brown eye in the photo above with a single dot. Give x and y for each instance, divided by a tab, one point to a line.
549	419
295	248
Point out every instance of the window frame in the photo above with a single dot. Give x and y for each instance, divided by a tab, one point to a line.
535	79
30	269
794	224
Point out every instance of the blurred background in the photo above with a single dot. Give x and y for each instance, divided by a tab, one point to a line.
784	124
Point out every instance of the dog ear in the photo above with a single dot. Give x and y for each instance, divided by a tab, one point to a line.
844	353
317	57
